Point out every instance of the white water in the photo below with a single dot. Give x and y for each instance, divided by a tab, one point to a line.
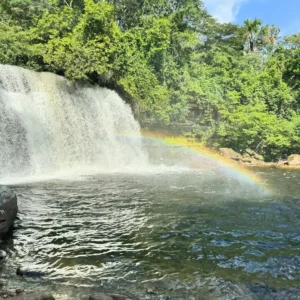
49	126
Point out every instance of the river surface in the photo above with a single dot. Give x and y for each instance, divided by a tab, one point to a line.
164	234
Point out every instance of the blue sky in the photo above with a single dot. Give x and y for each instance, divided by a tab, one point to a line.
283	13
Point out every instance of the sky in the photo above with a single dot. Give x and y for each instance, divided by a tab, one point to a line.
283	13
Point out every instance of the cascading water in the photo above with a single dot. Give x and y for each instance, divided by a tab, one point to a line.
49	125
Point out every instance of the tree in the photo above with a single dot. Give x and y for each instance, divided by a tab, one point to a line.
172	61
260	37
22	12
291	75
253	29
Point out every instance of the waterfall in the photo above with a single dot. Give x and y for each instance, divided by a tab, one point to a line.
48	125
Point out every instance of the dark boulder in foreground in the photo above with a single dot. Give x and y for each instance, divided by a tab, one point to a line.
108	297
32	274
30	296
8	209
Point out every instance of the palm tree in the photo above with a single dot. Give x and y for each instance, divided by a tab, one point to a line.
253	29
269	35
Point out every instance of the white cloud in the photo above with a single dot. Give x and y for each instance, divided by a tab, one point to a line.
224	10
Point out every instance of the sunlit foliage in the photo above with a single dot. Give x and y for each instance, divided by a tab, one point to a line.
172	61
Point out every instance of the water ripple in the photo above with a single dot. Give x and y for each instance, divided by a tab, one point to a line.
125	232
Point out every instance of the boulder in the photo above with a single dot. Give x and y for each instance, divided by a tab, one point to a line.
30	296
8	209
250	152
253	154
3	254
230	153
294	160
27	273
102	296
281	163
246	159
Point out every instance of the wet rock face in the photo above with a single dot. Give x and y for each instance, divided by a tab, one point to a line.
8	209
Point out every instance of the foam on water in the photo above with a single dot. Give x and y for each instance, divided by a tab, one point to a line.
83	174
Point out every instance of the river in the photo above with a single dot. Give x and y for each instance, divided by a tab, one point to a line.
177	233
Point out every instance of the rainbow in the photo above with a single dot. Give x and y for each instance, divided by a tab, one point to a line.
207	157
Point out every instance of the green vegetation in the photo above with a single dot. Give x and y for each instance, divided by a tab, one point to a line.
166	56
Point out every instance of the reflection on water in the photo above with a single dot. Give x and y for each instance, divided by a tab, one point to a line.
184	235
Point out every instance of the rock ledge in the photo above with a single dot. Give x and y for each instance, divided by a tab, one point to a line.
8	209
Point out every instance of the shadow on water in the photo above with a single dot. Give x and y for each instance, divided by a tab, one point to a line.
182	235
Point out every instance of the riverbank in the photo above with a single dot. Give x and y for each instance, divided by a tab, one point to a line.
225	155
251	158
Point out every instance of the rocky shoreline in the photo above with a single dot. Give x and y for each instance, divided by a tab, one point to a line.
251	158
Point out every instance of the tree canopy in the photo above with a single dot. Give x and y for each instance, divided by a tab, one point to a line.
172	61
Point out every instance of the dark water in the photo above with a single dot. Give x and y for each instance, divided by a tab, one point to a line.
178	234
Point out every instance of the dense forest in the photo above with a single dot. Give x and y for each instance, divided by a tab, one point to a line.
172	60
